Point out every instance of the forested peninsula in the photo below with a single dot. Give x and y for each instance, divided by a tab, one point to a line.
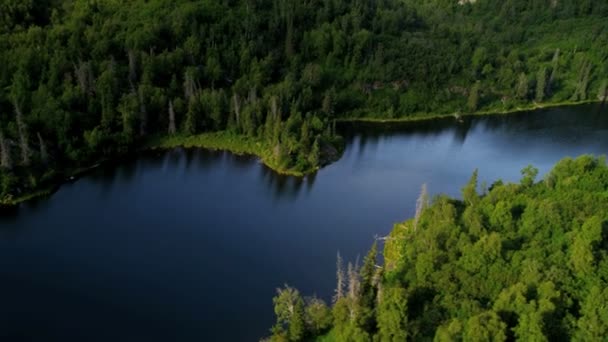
525	261
86	81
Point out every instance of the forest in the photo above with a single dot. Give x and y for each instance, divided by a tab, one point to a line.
513	261
84	81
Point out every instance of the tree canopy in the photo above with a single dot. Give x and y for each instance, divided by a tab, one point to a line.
525	261
88	80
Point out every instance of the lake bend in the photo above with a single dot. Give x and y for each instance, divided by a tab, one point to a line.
190	245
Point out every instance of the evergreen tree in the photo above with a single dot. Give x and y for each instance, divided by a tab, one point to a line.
23	136
5	153
473	101
541	84
289	310
602	93
314	155
522	87
469	192
392	315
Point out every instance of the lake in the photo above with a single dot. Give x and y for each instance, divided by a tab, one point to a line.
190	245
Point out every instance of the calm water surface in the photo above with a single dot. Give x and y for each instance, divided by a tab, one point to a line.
190	245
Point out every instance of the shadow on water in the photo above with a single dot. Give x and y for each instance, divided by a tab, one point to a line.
179	220
282	187
564	120
8	215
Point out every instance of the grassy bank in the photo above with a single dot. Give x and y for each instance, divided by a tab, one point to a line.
226	141
13	201
223	141
497	111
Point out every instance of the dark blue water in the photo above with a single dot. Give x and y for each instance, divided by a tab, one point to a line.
190	245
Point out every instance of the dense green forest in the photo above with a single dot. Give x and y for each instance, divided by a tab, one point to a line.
83	81
525	261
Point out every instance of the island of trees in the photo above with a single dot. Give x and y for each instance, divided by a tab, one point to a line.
82	81
526	261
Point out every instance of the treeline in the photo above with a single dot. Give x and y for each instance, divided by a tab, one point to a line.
85	80
525	261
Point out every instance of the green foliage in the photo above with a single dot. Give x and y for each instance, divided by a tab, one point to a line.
392	314
486	326
541	84
318	316
473	101
289	309
523	261
277	71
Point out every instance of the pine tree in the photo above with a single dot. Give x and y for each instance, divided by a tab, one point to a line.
172	128
554	68
473	101
289	310
602	93
43	153
368	289
191	123
522	87
143	112
541	81
314	157
469	192
5	153
392	315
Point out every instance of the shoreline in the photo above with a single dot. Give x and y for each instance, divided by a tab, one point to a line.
458	115
224	141
243	145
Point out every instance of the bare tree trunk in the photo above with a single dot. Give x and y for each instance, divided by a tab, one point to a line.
44	157
421	204
339	279
553	71
5	160
353	281
25	150
237	108
354	285
172	129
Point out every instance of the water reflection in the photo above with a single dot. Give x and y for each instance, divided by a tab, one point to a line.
186	236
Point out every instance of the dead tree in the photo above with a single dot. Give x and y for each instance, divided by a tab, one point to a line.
421	204
236	102
339	279
555	65
44	157
354	283
354	289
